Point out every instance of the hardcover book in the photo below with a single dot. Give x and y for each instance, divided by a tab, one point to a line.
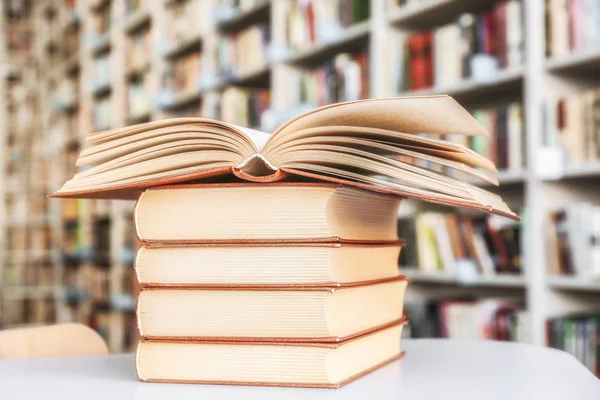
318	365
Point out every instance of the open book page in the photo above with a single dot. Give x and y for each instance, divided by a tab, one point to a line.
259	138
435	147
423	114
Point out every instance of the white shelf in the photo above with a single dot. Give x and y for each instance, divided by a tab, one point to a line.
581	171
505	178
182	100
507	80
568	283
349	39
137	20
183	47
497	281
258	12
427	13
573	63
102	45
256	77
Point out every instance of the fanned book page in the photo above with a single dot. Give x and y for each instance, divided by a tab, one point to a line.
372	144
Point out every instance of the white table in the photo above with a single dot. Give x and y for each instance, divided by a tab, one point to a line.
432	369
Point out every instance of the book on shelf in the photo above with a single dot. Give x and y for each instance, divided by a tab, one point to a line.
474	47
180	16
103	20
243	52
245	107
578	335
574	236
572	27
139	50
312	22
138	103
445	243
344	78
135	5
572	124
378	127
182	75
491	319
102	114
505	145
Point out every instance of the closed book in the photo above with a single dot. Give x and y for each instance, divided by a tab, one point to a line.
318	365
284	212
275	312
266	263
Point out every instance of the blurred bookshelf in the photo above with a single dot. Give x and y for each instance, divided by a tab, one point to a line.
111	63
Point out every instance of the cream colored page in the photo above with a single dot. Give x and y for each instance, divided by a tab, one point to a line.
259	138
441	148
424	114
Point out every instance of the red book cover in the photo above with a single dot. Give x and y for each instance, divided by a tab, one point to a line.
421	60
363	61
497	31
310	22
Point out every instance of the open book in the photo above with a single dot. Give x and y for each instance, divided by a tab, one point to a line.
371	144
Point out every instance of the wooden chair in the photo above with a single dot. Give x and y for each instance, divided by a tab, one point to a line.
51	341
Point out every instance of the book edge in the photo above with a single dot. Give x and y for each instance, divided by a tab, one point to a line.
327	341
326	286
279	384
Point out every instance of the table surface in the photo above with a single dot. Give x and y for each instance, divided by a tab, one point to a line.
432	369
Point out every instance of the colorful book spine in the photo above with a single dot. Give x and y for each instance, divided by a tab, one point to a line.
572	26
573	124
443	57
345	78
574	238
244	51
446	242
578	335
244	107
310	22
488	319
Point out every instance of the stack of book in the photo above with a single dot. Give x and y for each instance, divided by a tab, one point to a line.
283	269
446	242
444	56
243	283
574	235
578	335
572	26
573	124
311	22
243	52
